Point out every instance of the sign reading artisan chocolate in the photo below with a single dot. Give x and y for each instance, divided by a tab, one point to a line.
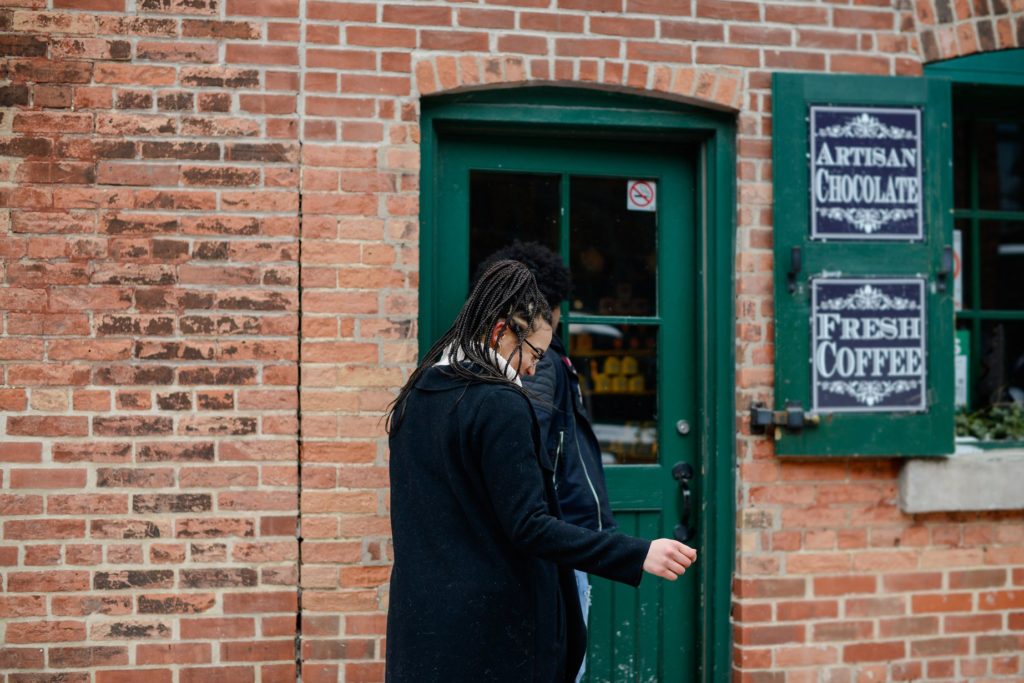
868	344
866	173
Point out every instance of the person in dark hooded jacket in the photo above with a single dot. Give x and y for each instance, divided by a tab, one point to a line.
482	587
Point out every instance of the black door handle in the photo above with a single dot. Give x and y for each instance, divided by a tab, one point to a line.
795	266
683	472
945	269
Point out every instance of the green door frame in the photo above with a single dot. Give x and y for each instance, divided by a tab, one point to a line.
597	114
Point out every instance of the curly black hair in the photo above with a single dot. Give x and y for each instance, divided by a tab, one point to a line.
553	277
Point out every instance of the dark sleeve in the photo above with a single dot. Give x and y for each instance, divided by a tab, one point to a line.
514	481
541	388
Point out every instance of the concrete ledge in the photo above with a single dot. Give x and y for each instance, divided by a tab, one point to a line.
982	480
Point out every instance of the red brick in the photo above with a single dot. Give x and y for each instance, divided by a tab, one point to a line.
947	602
843	630
22	452
728	10
132	676
22	632
842	585
908	626
874	652
917	581
973	623
257	603
220	674
993	644
217	628
1001	600
860	64
87	657
806	609
264	8
98	5
796	14
939	647
47	426
411	14
364	672
111	173
583	47
769	635
863	19
258	651
51	581
487	18
173	653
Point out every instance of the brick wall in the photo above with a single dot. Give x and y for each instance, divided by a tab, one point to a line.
150	314
158	160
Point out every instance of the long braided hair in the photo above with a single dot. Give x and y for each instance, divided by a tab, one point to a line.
506	291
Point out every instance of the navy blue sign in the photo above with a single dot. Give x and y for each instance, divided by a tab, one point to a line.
866	173
868	345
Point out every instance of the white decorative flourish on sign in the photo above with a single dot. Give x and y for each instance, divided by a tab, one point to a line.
867	220
869	392
868	298
866	126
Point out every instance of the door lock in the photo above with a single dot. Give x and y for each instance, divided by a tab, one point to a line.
683	427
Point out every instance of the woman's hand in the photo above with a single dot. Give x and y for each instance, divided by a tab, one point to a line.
668	558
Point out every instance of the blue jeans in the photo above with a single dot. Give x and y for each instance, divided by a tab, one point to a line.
583	588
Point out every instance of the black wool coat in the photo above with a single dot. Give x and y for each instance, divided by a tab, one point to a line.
482	587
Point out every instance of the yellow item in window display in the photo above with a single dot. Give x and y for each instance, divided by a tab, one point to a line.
620	384
600	382
612	365
636	384
630	365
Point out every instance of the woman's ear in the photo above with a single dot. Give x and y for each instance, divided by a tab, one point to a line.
499	328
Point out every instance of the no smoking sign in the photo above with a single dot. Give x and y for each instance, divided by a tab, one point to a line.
641	195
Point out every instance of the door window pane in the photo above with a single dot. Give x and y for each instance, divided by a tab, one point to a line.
618	369
1001	168
1002	265
613	249
1001	364
511	206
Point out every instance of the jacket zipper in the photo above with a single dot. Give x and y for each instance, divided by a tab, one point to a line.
558	455
593	491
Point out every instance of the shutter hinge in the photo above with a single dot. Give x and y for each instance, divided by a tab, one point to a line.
792	419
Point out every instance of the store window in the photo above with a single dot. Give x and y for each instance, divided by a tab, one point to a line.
988	138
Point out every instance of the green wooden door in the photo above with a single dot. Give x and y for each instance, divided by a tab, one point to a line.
622	214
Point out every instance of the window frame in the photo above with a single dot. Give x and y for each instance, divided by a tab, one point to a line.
970	76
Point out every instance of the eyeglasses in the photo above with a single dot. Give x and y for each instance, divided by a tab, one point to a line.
537	353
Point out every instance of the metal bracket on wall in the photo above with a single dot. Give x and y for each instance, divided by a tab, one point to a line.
792	419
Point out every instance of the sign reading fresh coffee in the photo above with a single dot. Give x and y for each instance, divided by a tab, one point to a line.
865	173
868	344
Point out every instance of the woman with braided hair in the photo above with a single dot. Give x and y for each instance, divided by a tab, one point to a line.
482	587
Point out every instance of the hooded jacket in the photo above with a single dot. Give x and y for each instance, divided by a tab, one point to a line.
569	440
482	587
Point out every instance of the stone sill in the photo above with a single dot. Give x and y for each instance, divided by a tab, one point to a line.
970	479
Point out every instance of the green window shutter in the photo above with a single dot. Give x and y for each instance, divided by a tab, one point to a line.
864	328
